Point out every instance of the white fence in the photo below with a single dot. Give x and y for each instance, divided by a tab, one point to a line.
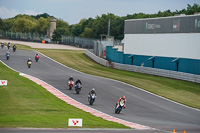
153	71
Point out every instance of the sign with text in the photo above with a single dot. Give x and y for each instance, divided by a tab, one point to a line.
75	122
3	82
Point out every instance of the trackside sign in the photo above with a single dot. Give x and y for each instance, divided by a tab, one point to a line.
3	82
75	122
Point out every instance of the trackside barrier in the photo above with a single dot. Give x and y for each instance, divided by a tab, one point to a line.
96	58
147	70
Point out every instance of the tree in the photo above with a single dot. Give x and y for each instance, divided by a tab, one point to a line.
23	25
76	29
42	25
87	33
44	15
57	34
62	24
1	24
8	23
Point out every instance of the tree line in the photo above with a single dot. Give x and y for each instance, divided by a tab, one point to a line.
88	28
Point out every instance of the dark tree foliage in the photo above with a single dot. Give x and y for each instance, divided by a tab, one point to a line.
57	34
44	15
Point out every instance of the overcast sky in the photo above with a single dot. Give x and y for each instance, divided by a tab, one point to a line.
72	11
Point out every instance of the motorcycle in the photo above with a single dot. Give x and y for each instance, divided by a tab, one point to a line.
91	99
119	107
36	58
78	88
8	46
70	84
29	64
7	56
14	49
2	45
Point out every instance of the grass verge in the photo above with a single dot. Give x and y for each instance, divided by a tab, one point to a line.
26	104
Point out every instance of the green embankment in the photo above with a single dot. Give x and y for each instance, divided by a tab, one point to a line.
26	104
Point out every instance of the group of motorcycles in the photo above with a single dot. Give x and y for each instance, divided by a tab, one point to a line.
29	62
8	46
77	87
91	97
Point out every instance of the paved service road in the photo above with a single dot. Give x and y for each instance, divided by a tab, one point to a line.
142	107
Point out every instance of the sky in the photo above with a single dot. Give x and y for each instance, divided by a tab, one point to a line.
72	11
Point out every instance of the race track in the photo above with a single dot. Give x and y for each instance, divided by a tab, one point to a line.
142	107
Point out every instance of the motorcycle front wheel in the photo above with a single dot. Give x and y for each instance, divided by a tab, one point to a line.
91	102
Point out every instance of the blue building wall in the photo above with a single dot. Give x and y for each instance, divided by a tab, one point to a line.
189	66
184	65
165	63
140	59
127	59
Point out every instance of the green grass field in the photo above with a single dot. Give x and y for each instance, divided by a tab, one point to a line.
26	104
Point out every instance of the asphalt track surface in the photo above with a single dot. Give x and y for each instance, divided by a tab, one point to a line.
39	130
142	107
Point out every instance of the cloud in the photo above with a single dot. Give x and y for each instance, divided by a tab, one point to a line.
8	13
32	12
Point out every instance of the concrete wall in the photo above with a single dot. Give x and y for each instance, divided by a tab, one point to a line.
158	72
96	58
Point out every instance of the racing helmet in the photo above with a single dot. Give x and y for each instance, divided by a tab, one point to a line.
93	90
123	97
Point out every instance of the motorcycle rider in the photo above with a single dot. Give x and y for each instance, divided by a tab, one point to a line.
92	92
78	81
7	53
14	47
36	56
8	45
71	78
29	59
2	45
122	98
